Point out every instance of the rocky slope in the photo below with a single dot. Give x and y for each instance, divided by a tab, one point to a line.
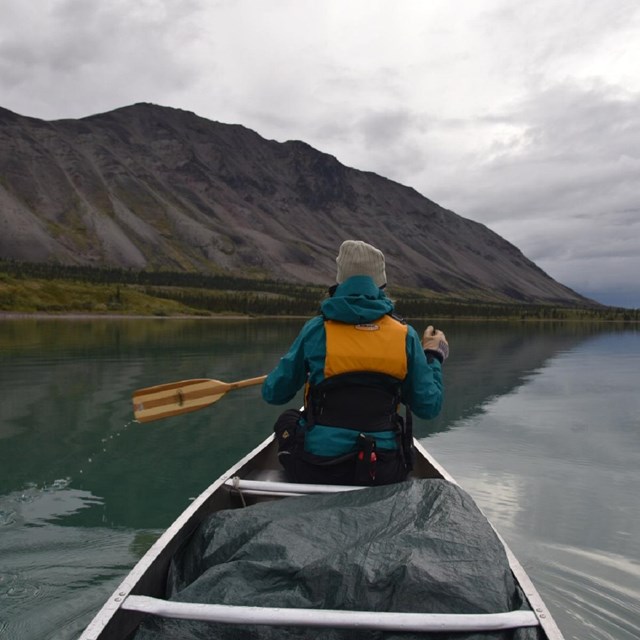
152	187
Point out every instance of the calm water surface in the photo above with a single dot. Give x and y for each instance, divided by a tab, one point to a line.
541	425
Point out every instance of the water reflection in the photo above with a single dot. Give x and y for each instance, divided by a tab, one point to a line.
68	388
67	410
135	336
574	425
489	360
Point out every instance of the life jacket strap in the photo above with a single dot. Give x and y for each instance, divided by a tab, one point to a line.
363	402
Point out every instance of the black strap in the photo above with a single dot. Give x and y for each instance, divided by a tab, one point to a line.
363	401
405	438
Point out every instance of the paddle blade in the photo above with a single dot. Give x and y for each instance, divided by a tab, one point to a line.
176	398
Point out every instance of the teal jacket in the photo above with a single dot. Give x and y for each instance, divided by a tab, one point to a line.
357	300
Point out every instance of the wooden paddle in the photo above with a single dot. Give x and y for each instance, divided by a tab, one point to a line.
176	398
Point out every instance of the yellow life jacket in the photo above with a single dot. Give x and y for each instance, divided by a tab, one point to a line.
376	347
364	367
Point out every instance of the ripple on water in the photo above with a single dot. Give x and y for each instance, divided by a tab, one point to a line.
16	587
587	586
51	578
38	505
7	516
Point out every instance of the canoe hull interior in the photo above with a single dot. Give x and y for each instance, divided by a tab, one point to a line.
260	466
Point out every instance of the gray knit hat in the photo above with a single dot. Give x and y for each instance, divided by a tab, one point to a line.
357	258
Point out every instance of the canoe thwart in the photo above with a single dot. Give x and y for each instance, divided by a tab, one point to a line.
264	487
331	618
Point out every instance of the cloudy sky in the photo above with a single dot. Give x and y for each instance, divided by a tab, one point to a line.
524	116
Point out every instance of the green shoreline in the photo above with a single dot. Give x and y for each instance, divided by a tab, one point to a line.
42	291
43	315
70	316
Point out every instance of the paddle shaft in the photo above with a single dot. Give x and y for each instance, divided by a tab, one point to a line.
250	382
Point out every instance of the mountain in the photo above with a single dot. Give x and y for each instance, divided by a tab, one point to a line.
151	187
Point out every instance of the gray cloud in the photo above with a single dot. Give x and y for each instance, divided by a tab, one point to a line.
85	57
564	187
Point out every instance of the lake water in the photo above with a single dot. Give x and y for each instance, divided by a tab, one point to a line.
541	425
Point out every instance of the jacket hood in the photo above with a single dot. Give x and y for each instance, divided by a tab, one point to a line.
357	300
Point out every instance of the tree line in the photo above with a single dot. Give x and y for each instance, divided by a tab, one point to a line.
423	308
226	293
118	275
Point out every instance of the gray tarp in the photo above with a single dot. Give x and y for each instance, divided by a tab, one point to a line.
417	546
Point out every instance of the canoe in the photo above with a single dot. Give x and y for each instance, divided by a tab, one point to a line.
258	478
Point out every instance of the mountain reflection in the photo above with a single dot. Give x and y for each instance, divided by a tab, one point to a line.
489	360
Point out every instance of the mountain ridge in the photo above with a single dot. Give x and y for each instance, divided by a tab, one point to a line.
152	187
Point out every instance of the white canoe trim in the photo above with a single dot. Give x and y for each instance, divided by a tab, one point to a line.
331	618
264	487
